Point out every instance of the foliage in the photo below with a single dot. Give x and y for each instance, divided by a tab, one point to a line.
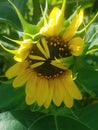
15	114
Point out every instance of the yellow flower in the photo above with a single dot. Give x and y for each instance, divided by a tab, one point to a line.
39	65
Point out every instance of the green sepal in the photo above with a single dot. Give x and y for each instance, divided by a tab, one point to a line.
27	27
16	41
44	18
8	50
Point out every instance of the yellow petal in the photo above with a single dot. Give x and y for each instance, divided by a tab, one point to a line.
16	69
21	79
36	64
31	85
71	86
29	100
34	57
42	50
42	91
73	27
67	99
50	93
31	89
76	46
58	64
44	43
58	93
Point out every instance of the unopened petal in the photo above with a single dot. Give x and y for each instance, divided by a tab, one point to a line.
23	51
54	25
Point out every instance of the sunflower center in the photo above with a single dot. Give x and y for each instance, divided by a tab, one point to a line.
45	52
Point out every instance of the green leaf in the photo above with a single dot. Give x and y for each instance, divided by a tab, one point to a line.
21	120
13	98
89	116
88	77
86	73
8	14
57	123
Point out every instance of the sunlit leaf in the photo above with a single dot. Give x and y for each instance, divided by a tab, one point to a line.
8	122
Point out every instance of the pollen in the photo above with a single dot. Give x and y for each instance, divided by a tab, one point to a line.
46	51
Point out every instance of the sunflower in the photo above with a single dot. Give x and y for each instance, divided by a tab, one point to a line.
40	63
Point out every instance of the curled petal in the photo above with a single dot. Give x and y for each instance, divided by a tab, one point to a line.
21	55
73	27
76	46
23	51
